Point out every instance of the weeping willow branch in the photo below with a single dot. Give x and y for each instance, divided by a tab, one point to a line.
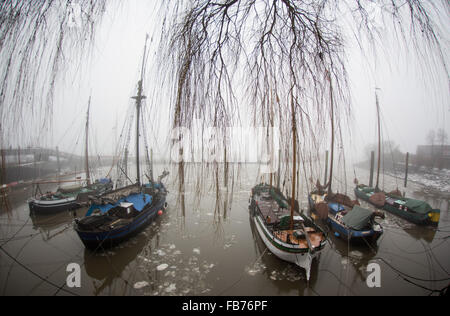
37	40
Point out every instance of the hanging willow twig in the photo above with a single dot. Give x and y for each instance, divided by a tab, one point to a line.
286	53
222	57
38	40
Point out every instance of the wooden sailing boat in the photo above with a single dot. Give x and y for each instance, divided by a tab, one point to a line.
415	211
346	217
70	197
123	213
290	236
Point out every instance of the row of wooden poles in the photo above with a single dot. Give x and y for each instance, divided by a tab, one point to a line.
372	168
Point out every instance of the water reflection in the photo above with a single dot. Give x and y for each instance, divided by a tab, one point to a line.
285	276
51	226
106	268
189	251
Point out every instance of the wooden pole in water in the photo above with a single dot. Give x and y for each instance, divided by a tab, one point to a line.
372	166
151	165
18	163
3	171
58	162
279	169
327	154
86	162
407	169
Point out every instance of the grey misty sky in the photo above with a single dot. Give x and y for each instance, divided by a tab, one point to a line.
412	103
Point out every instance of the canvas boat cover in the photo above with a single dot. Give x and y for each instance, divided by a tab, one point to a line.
358	218
417	206
139	201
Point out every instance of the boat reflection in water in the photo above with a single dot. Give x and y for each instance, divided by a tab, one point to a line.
51	226
286	276
113	269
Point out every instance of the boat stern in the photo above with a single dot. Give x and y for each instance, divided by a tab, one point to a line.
435	216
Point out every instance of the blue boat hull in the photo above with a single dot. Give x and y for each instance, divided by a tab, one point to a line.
98	241
355	236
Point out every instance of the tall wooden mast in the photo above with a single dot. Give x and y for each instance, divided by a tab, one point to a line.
379	141
332	136
139	99
86	154
294	162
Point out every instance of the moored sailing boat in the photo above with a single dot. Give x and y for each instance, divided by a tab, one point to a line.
289	235
73	197
345	216
293	239
123	213
415	211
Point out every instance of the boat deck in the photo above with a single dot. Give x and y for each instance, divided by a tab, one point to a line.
315	237
271	211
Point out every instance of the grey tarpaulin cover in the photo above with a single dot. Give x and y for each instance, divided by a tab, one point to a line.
357	218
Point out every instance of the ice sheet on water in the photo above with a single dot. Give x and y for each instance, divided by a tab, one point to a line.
160	253
171	288
140	285
355	254
162	267
255	269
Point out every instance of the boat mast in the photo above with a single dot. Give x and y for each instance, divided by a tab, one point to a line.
88	177
139	99
332	135
377	188
294	163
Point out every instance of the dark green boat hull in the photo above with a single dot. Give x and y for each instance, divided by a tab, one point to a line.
419	219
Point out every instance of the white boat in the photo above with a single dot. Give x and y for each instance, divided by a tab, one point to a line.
294	239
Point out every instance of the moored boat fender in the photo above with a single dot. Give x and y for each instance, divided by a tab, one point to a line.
161	212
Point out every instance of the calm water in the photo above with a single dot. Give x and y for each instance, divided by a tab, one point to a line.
209	247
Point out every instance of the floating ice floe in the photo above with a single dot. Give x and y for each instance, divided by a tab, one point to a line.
171	288
162	267
356	254
140	285
160	253
143	259
196	251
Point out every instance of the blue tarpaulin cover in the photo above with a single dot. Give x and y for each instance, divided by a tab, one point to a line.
336	208
139	202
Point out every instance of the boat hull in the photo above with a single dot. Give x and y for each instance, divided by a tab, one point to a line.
354	236
286	252
98	241
51	207
301	259
43	207
415	218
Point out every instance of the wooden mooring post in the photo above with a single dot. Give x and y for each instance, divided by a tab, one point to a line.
406	170
327	154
